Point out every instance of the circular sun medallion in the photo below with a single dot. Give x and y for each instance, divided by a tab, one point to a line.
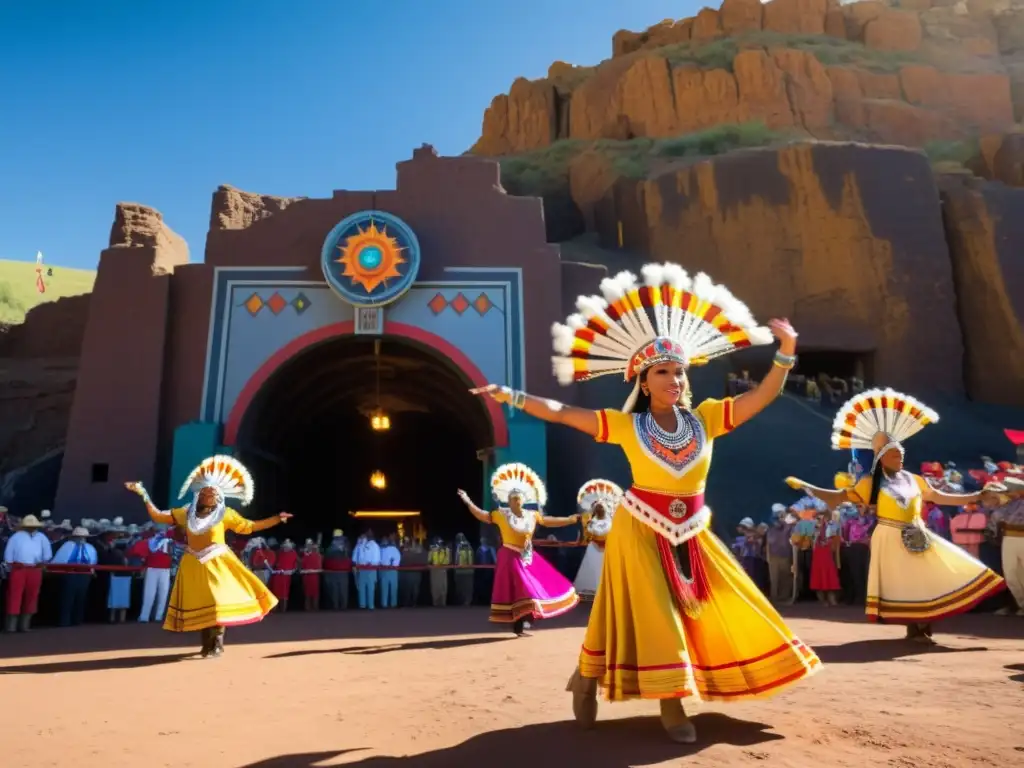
371	258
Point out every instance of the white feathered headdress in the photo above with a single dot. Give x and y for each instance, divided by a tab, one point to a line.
509	479
670	317
225	473
229	477
879	411
605	492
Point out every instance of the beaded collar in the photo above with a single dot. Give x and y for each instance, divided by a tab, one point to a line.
901	488
677	451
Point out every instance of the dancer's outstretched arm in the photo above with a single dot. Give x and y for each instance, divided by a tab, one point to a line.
557	522
749	404
479	514
245	527
155	514
583	419
832	497
947	499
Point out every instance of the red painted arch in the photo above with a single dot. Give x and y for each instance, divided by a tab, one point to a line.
402	330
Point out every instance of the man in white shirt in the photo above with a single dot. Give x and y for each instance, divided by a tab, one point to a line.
366	559
390	558
24	555
74	587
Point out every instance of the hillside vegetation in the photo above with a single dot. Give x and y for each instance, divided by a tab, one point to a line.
19	294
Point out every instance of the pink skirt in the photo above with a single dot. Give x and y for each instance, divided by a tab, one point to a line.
534	591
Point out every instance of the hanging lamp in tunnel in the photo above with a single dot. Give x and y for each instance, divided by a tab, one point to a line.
378	481
379	421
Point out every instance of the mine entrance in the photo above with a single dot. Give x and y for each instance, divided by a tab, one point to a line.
835	364
310	442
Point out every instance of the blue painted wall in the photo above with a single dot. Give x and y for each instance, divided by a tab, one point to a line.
193	442
250	339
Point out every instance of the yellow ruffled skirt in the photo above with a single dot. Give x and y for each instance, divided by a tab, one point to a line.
922	587
639	644
219	593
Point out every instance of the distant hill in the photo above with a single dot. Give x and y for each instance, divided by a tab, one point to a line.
18	292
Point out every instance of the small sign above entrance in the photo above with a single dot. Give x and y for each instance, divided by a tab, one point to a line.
370	321
370	259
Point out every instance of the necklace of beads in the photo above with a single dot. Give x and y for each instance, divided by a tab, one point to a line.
681	436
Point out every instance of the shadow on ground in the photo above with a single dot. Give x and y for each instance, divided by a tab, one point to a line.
1016	668
613	744
867	651
97	665
398	624
373	650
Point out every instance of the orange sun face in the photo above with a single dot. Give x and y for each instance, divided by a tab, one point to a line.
371	257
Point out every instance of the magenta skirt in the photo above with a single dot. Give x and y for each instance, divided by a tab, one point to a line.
534	591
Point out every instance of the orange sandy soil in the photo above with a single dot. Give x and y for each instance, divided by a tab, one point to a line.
444	689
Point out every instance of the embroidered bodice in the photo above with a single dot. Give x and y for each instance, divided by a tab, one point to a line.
899	498
215	535
674	461
516	532
596	528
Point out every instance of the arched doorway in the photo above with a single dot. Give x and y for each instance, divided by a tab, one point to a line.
303	426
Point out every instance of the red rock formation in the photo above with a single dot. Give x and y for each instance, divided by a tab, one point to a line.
844	239
774	63
985	232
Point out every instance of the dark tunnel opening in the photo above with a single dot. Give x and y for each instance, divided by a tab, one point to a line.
309	443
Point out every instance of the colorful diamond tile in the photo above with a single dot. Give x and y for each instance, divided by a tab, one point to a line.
482	304
437	304
253	304
277	303
301	303
460	303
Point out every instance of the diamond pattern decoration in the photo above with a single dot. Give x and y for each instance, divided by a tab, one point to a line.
437	304
253	304
301	303
482	304
277	303
460	303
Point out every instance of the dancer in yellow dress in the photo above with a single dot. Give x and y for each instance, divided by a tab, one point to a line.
675	617
914	577
213	589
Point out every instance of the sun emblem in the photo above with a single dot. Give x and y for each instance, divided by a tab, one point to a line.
371	257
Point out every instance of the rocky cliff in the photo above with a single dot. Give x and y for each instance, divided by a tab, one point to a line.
927	70
758	142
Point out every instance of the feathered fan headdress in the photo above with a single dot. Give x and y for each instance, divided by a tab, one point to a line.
879	411
605	492
509	479
670	317
231	480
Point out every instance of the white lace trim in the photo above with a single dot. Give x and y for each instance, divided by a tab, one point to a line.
676	533
197	526
600	526
207	554
525	524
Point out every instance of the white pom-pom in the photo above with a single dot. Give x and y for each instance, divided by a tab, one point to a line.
654	274
564	369
614	288
563	336
576	322
591	306
677	277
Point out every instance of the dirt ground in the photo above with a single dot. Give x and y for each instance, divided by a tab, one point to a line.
441	688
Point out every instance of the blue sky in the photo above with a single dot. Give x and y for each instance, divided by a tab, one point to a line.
160	102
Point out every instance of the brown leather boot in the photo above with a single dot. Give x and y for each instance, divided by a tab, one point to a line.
677	725
584	699
218	642
207	647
